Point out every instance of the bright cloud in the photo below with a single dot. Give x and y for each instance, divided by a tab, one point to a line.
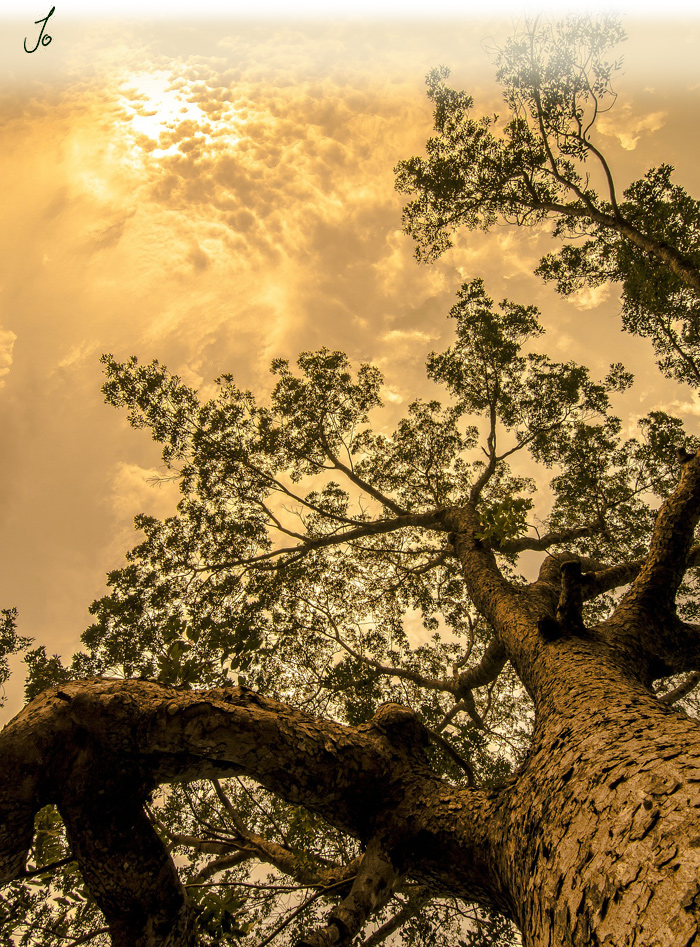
7	342
627	128
137	488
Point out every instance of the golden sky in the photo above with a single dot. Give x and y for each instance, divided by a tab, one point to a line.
215	193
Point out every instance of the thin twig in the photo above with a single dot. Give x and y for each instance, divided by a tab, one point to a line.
302	907
40	871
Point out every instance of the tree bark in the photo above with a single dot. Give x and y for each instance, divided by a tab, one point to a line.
601	829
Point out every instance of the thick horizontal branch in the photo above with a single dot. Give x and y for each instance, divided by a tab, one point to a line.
221	863
244	844
552	538
599	577
450	685
644	625
429	520
613	577
126	737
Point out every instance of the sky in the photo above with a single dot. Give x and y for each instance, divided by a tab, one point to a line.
217	190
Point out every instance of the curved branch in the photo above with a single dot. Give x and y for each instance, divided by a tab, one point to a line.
126	737
440	741
430	683
221	863
487	670
88	937
678	693
601	578
644	626
295	913
429	520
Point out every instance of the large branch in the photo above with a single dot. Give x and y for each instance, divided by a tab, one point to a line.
665	564
373	886
460	685
680	265
429	520
96	748
645	624
510	610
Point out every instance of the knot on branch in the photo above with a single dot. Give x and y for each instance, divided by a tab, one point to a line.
400	725
568	618
684	456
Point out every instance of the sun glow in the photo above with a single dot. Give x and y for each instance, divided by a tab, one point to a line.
162	115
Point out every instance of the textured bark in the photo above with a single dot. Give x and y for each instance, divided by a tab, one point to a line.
601	830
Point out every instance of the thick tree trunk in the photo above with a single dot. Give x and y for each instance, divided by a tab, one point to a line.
601	829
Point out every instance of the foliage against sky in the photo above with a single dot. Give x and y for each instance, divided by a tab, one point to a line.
258	222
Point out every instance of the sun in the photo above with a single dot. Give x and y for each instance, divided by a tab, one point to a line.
159	107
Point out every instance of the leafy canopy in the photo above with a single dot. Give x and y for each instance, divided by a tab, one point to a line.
540	162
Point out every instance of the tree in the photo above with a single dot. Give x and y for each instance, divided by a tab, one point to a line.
330	655
557	80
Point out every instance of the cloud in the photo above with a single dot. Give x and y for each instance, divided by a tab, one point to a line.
628	128
7	343
393	397
78	354
683	408
406	335
109	235
135	488
590	297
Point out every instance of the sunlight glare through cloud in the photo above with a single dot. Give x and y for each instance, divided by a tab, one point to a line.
157	107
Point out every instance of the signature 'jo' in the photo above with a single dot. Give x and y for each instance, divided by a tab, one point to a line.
44	40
